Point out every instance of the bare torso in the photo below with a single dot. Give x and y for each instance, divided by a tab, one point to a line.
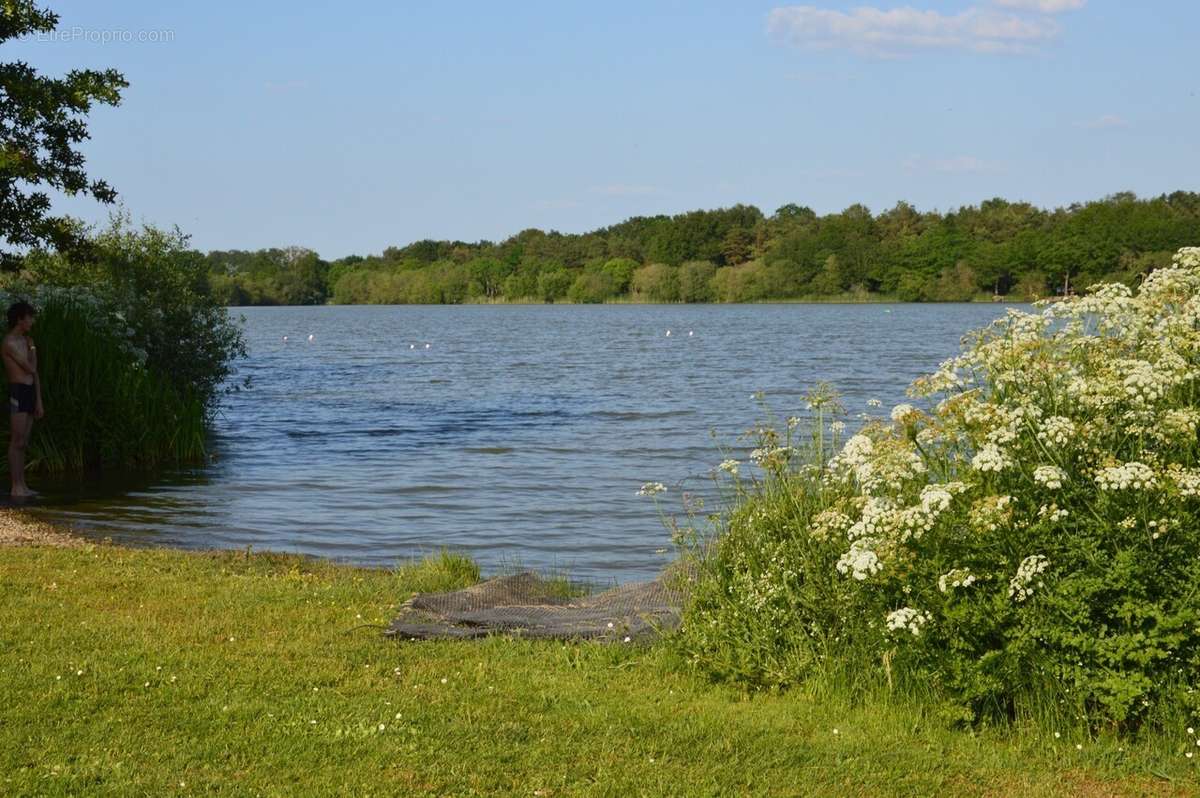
18	365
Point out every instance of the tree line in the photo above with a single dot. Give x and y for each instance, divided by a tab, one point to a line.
997	248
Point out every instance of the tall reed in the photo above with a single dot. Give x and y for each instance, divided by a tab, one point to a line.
103	407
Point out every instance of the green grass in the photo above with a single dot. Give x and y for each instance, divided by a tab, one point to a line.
159	672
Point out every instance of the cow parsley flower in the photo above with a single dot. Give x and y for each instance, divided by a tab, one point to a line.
860	561
908	620
990	458
1050	476
652	489
1021	586
1056	431
1130	476
959	577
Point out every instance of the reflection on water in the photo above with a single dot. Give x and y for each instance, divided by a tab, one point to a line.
520	435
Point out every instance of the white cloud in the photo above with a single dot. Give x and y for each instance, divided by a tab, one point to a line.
957	164
1106	122
874	31
1044	6
624	190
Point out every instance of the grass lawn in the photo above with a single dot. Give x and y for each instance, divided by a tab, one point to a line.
160	672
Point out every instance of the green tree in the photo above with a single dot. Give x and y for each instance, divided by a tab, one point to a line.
620	271
695	281
591	288
553	283
41	126
657	282
829	280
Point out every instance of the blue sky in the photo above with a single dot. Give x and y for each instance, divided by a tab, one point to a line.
351	128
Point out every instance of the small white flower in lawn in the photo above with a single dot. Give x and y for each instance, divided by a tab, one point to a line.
78	673
1191	730
444	680
232	639
835	731
1057	735
627	639
1188	754
58	678
147	684
610	625
315	689
313	722
382	727
397	716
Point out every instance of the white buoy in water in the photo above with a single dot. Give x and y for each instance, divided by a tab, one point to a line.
311	338
412	346
426	346
690	333
285	339
668	333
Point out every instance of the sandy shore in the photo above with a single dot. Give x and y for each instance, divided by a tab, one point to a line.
18	529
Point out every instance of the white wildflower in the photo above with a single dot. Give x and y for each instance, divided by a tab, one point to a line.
860	561
904	414
1050	476
959	577
1130	476
1056	431
990	458
907	619
1021	586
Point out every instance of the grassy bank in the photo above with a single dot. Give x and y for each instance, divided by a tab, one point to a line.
163	672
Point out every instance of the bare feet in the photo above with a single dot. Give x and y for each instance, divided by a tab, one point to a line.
23	494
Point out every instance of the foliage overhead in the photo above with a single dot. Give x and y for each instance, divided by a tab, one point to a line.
41	125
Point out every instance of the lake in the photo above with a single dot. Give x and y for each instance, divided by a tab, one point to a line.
516	434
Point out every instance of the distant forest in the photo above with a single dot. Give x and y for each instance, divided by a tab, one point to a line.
997	249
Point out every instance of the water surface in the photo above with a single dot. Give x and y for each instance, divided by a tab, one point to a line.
518	434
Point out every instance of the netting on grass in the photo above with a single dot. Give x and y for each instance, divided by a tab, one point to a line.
527	606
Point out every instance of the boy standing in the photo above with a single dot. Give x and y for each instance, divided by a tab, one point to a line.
24	391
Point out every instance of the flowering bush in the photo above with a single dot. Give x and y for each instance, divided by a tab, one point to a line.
1025	535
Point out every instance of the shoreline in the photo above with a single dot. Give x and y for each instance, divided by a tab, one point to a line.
18	528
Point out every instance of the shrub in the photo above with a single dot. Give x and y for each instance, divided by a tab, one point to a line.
1023	539
159	290
656	282
591	288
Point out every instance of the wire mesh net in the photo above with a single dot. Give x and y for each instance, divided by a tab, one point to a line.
526	605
